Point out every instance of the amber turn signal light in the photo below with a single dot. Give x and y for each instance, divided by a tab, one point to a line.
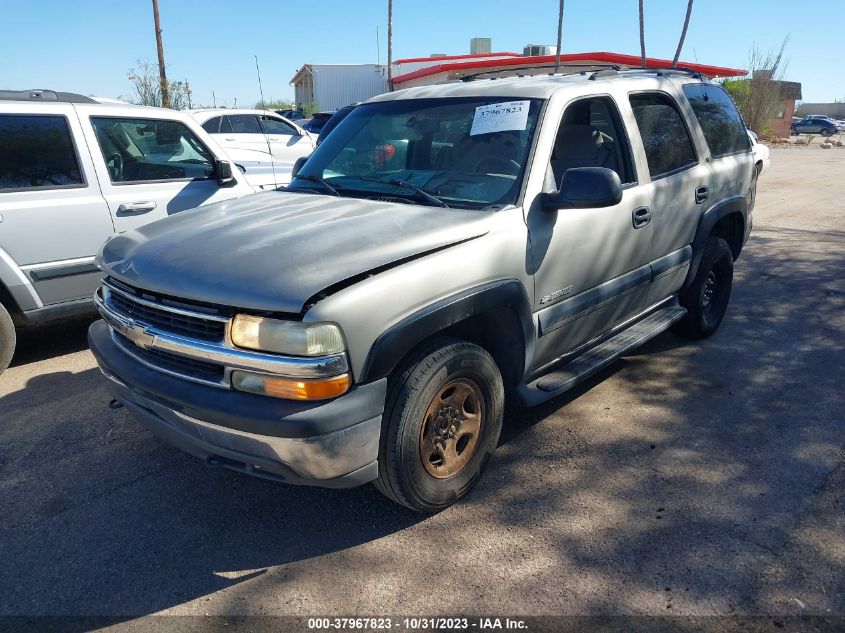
291	388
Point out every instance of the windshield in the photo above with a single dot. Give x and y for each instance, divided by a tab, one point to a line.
467	152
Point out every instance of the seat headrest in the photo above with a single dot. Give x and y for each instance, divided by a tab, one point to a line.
577	141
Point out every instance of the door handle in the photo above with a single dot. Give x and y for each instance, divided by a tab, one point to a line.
136	208
701	194
641	217
227	138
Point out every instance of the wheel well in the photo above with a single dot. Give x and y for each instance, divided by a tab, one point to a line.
498	331
8	302
731	228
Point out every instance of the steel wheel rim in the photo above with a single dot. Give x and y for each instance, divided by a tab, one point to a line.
451	428
709	289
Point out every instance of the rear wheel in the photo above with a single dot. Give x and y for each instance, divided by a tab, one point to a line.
7	338
825	132
442	424
706	299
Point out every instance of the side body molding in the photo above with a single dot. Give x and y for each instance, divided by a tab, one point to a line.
402	337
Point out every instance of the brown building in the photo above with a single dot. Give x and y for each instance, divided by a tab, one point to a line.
790	92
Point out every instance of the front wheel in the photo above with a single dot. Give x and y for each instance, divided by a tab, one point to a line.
706	299
7	339
442	424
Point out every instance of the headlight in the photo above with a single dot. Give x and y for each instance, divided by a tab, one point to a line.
286	337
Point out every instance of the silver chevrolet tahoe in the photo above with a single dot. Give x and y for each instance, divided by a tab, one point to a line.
446	249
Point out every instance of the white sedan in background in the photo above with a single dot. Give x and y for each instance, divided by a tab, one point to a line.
760	151
261	142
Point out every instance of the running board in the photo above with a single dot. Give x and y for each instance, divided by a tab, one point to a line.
560	380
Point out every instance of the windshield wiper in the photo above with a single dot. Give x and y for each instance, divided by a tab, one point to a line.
407	185
319	181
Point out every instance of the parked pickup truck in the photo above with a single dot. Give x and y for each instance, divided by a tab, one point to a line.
447	248
73	171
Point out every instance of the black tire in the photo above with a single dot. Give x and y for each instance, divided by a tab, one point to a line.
7	339
825	132
706	299
419	408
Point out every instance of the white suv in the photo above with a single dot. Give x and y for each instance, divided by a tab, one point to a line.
75	170
264	143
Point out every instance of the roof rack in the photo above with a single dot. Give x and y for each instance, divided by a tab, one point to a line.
595	71
44	95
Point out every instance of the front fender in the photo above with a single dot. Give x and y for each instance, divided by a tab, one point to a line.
394	344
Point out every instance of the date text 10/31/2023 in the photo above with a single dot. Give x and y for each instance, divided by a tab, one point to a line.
417	624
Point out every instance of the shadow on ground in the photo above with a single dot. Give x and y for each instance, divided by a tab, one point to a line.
671	483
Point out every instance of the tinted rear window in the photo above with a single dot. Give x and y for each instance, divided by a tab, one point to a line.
723	127
37	152
667	143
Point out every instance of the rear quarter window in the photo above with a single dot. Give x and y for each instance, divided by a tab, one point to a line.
721	123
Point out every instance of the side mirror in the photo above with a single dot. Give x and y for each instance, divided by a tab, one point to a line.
586	188
298	165
223	169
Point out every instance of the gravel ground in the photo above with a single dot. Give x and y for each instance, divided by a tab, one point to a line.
701	478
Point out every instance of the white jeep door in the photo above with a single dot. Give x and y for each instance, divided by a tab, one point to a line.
152	166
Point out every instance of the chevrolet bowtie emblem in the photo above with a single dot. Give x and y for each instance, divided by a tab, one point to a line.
138	334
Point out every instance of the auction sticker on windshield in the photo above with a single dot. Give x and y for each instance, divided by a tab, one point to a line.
500	117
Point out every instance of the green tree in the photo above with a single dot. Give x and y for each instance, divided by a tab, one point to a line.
759	97
146	87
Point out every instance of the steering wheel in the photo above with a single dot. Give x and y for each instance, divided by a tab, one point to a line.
114	163
511	166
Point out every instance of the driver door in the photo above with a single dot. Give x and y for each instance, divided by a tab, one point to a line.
591	266
150	168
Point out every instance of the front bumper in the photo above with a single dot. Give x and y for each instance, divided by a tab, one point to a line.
331	444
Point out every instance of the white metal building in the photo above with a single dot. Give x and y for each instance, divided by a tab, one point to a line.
332	86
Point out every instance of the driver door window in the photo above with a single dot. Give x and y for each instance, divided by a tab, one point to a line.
591	135
142	150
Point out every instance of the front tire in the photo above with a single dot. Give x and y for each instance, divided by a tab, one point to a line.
7	339
442	424
706	299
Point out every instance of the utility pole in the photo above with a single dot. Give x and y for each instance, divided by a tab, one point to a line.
390	45
559	36
162	75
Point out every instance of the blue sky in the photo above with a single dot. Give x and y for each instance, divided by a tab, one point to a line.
87	46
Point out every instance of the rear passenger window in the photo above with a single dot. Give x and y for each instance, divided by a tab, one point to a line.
37	152
722	125
212	126
668	146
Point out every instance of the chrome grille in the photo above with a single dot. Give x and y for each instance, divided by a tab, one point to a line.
130	303
197	370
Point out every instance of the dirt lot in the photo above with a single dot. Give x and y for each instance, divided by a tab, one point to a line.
691	478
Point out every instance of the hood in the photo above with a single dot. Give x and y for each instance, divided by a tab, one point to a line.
273	251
